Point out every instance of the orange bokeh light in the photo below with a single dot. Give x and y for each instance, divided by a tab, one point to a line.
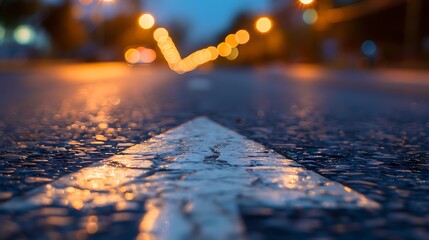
263	24
146	21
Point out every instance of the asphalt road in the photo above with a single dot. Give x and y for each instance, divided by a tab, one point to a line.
367	130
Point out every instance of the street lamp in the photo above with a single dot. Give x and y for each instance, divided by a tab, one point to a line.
263	24
146	21
306	2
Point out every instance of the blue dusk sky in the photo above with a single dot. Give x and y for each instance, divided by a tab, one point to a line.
205	18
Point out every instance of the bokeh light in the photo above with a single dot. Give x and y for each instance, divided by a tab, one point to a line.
369	48
233	55
242	36
24	34
224	49
310	16
231	40
306	2
213	53
160	34
263	24
146	21
171	54
132	56
147	55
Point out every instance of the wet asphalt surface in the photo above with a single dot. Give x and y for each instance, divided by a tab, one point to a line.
369	135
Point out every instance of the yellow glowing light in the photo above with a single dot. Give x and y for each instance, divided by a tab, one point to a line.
160	34
233	55
213	53
146	21
132	56
231	40
242	36
310	16
24	34
263	24
147	55
176	63
224	49
306	2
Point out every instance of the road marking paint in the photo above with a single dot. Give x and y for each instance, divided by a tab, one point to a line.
193	178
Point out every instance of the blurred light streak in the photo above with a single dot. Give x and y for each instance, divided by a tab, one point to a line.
200	57
91	72
146	21
172	55
263	24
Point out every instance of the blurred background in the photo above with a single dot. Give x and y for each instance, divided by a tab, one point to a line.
337	33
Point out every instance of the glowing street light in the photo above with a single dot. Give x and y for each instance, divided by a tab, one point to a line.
263	24
132	56
242	36
24	34
306	2
146	21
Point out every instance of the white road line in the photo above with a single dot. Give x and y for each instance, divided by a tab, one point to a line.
193	179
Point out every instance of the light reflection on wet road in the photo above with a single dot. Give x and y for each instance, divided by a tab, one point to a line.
370	135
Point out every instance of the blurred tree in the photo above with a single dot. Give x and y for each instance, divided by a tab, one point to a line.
66	32
122	31
13	12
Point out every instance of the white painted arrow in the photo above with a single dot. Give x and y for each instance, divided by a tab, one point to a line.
193	179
